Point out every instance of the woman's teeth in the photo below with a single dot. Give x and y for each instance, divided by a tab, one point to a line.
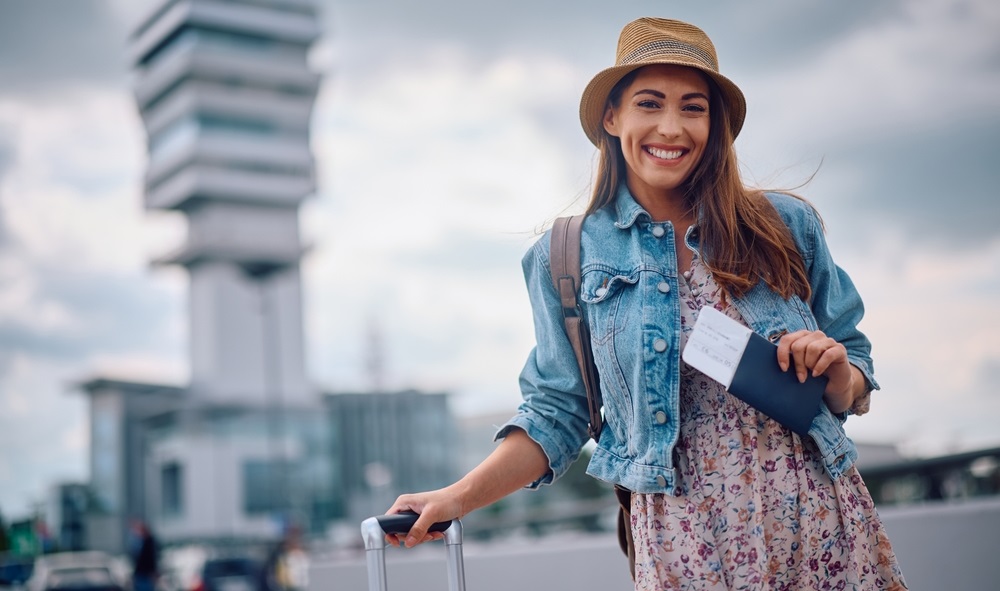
665	154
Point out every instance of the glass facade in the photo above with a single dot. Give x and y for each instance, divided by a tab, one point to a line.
106	449
184	131
172	490
219	40
259	491
284	464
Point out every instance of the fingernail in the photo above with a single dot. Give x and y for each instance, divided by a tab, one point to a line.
802	377
411	541
783	366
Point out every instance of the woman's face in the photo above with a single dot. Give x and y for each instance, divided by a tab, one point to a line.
662	121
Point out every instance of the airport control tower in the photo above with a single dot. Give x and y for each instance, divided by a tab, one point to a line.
226	96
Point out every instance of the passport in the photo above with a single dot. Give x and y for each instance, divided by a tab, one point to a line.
746	364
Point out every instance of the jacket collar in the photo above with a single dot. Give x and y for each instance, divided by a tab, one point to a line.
627	209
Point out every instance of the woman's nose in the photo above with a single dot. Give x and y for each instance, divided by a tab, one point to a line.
669	125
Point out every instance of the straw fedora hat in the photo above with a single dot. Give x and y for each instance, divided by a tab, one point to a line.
647	41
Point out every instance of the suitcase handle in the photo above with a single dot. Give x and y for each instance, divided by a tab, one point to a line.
374	529
400	523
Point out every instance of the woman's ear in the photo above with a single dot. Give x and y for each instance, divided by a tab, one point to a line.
609	122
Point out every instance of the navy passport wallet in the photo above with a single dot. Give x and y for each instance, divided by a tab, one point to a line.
759	382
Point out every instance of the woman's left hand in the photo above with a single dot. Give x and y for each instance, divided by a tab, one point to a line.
814	353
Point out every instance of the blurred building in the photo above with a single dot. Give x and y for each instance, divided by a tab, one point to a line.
951	477
66	515
226	95
391	443
118	450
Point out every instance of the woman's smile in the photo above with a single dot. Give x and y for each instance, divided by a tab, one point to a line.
668	155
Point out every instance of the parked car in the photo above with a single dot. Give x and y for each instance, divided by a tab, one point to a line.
230	573
15	570
76	571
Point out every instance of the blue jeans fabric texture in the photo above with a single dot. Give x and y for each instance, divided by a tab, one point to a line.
629	281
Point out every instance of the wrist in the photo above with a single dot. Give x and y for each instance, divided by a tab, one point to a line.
841	399
461	495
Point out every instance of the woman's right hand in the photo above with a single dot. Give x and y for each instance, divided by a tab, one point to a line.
432	506
516	462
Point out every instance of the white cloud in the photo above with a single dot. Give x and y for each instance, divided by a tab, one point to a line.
42	420
75	234
433	168
73	194
932	319
926	69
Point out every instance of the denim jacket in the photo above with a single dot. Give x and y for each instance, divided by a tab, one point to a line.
629	292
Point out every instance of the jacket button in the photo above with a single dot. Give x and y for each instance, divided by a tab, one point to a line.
659	345
661	481
663	286
601	292
658	231
661	417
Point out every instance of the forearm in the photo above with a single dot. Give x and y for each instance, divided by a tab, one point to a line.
515	463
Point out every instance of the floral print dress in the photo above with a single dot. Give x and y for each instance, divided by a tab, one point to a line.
755	508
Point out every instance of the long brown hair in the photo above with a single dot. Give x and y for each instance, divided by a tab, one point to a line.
741	235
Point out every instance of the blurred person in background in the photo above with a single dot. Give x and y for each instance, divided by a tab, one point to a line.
287	565
144	551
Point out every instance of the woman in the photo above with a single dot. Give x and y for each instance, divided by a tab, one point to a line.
723	497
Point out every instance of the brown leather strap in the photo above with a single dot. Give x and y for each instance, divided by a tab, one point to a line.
564	262
625	540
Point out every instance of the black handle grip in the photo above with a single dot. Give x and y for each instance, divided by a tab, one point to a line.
400	523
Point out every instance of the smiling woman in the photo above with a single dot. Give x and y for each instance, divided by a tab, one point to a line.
715	493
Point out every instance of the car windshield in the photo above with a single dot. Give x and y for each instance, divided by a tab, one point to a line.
88	576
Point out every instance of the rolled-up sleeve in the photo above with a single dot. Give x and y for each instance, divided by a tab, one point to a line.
554	408
837	305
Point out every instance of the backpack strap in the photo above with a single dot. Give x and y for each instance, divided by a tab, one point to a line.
564	255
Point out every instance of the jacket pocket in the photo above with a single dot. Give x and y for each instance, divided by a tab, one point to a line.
602	292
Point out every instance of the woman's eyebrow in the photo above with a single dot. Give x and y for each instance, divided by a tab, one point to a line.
655	93
660	95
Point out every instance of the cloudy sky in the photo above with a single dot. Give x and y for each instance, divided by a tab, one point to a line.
446	134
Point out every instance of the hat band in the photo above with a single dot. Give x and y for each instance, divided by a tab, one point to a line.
657	48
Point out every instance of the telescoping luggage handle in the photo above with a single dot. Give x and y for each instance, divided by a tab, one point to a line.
374	529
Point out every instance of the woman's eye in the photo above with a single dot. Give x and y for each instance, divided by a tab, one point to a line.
694	108
648	104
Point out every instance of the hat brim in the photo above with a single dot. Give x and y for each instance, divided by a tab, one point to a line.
595	96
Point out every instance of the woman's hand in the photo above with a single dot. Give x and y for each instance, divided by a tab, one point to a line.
814	353
515	463
433	506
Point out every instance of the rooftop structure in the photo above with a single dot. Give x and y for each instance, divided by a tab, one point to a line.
226	96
